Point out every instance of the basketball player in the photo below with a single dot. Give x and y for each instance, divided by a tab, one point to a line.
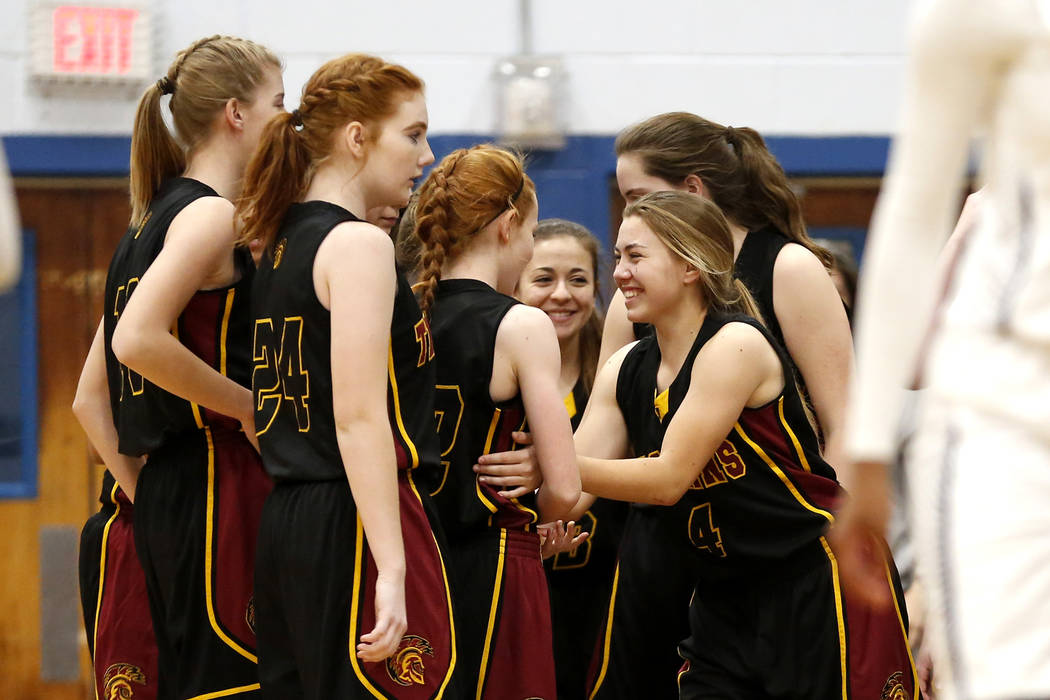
497	365
563	279
166	377
729	492
783	269
344	386
977	467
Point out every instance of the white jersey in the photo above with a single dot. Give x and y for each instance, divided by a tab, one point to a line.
979	67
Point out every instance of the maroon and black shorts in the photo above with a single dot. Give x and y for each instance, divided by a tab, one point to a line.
503	608
115	604
315	597
198	503
796	636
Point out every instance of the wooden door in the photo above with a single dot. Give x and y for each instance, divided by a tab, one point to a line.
76	226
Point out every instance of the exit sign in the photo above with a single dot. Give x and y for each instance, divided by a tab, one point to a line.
91	43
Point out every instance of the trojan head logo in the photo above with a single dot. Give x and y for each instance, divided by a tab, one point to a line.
894	689
249	614
117	680
278	254
405	666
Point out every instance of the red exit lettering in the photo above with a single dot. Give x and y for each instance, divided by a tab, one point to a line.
92	39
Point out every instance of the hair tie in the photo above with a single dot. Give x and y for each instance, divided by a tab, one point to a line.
297	117
731	135
517	192
165	86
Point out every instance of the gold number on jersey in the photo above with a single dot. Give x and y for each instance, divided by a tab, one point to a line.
702	531
578	556
448	411
278	374
426	342
132	381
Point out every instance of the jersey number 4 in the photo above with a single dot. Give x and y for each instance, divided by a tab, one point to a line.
279	375
703	533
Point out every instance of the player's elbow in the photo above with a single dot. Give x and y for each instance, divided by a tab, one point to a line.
556	500
129	345
668	490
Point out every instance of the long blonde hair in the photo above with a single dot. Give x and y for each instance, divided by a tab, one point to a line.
200	80
696	230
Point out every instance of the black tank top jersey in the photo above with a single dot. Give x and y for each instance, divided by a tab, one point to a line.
292	378
575	402
754	267
465	318
214	326
765	495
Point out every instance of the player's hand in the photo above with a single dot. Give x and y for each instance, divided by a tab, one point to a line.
516	473
924	668
391	619
859	534
556	538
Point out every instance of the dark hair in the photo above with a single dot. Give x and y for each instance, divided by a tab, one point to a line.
591	333
355	87
200	80
463	194
738	171
408	250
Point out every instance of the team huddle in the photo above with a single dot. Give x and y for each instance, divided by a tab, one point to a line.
369	443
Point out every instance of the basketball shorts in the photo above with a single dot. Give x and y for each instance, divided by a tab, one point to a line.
198	504
979	489
116	605
315	597
795	634
503	606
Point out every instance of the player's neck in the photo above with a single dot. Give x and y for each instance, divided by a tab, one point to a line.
331	184
476	262
739	233
216	168
677	329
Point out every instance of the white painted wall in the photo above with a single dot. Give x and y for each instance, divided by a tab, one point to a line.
785	67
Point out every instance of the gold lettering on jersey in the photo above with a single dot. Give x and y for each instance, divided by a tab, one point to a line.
406	666
425	340
129	380
726	463
142	224
117	681
278	253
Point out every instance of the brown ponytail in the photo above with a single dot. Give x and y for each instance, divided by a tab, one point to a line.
355	87
466	192
738	171
200	80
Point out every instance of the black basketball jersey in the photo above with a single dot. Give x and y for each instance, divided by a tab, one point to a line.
465	318
214	326
575	402
754	267
292	345
766	493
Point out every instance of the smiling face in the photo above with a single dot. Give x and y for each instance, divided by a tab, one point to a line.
560	280
398	154
650	276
